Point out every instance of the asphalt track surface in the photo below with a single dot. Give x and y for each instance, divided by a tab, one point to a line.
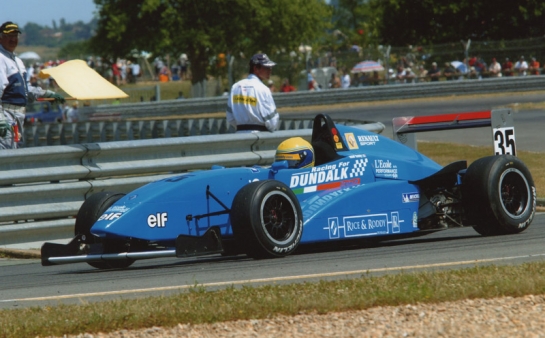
26	283
30	284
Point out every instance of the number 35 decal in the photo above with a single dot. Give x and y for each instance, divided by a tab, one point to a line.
504	141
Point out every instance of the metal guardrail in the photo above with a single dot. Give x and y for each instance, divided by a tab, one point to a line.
324	97
42	188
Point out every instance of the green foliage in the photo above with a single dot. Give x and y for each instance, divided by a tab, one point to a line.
74	50
204	29
404	22
353	23
58	36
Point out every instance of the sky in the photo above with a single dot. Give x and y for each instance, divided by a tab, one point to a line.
43	12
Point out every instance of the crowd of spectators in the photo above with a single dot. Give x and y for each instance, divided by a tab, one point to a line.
407	69
472	68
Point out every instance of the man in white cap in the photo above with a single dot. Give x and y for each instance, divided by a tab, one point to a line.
15	93
251	107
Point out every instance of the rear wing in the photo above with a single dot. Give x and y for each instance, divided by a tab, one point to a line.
501	121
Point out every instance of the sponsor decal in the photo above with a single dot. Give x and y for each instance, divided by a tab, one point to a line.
410	197
351	140
118	208
158	220
368	140
385	168
316	203
395	222
327	186
333	226
243	99
331	176
415	220
110	216
367	225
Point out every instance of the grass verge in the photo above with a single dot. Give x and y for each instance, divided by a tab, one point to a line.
201	306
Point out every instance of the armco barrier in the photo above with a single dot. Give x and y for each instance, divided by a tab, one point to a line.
324	97
42	188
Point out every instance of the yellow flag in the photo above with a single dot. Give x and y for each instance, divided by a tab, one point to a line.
82	82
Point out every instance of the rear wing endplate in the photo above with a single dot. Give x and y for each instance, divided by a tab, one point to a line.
501	121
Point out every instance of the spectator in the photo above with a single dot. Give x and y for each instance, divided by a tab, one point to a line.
480	67
184	63
375	79
180	96
400	74
14	90
507	67
345	81
533	68
521	66
72	113
251	106
135	70
434	73
472	74
335	82
34	81
312	83
449	71
495	68
422	74
116	73
408	75
391	76
286	86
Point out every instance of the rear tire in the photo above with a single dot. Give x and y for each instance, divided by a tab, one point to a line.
499	195
267	219
87	215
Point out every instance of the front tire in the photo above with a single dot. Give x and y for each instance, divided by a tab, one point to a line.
499	195
87	215
267	219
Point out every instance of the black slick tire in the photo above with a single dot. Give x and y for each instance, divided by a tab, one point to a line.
267	220
88	214
499	195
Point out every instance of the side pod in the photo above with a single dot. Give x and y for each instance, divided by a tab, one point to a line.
446	177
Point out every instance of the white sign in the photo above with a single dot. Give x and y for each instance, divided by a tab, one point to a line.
504	141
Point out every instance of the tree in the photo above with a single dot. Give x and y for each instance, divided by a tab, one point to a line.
403	22
354	19
203	29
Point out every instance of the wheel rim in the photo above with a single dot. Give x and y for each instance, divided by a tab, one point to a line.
278	217
514	193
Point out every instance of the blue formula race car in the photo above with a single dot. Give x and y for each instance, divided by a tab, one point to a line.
347	185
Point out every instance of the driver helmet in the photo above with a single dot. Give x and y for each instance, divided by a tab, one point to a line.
297	151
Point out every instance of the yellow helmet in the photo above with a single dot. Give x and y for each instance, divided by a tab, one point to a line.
297	152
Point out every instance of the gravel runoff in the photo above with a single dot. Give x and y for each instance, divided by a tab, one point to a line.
499	317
